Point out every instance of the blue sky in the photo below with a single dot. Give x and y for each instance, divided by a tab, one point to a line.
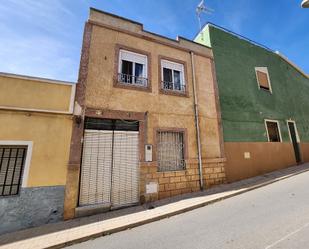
43	38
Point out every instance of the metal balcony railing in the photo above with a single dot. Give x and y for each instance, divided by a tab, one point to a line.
173	86
132	80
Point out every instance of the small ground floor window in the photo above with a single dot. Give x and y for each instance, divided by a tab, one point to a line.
170	150
12	160
273	131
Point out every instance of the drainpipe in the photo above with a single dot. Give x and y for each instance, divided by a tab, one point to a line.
197	126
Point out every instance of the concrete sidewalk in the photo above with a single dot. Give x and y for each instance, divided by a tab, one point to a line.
65	233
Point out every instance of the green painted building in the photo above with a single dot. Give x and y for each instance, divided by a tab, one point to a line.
264	101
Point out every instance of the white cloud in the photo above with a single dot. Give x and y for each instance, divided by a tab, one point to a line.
36	55
41	13
35	39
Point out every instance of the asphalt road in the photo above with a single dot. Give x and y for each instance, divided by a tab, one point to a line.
275	216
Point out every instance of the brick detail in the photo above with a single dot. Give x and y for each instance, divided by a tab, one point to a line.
214	174
179	182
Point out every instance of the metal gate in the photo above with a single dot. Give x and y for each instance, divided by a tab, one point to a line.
110	165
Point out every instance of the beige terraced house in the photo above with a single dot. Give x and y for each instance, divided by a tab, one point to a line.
142	124
146	121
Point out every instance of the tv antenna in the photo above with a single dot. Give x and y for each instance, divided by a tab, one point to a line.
201	8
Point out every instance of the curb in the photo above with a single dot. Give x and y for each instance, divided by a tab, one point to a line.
158	217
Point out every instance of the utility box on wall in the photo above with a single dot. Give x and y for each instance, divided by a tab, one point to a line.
148	153
151	188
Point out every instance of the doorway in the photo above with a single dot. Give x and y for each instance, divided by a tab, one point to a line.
110	163
294	139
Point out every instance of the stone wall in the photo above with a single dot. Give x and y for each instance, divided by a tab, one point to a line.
173	183
32	207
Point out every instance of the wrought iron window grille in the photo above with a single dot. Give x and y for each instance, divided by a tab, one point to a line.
132	80
12	160
171	86
171	151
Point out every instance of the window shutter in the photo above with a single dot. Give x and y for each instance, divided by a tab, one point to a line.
134	57
262	79
172	65
96	168
125	180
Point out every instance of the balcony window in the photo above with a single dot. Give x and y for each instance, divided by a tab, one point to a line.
132	68
172	76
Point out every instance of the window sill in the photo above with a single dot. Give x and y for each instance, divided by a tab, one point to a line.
119	84
172	171
174	93
265	90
